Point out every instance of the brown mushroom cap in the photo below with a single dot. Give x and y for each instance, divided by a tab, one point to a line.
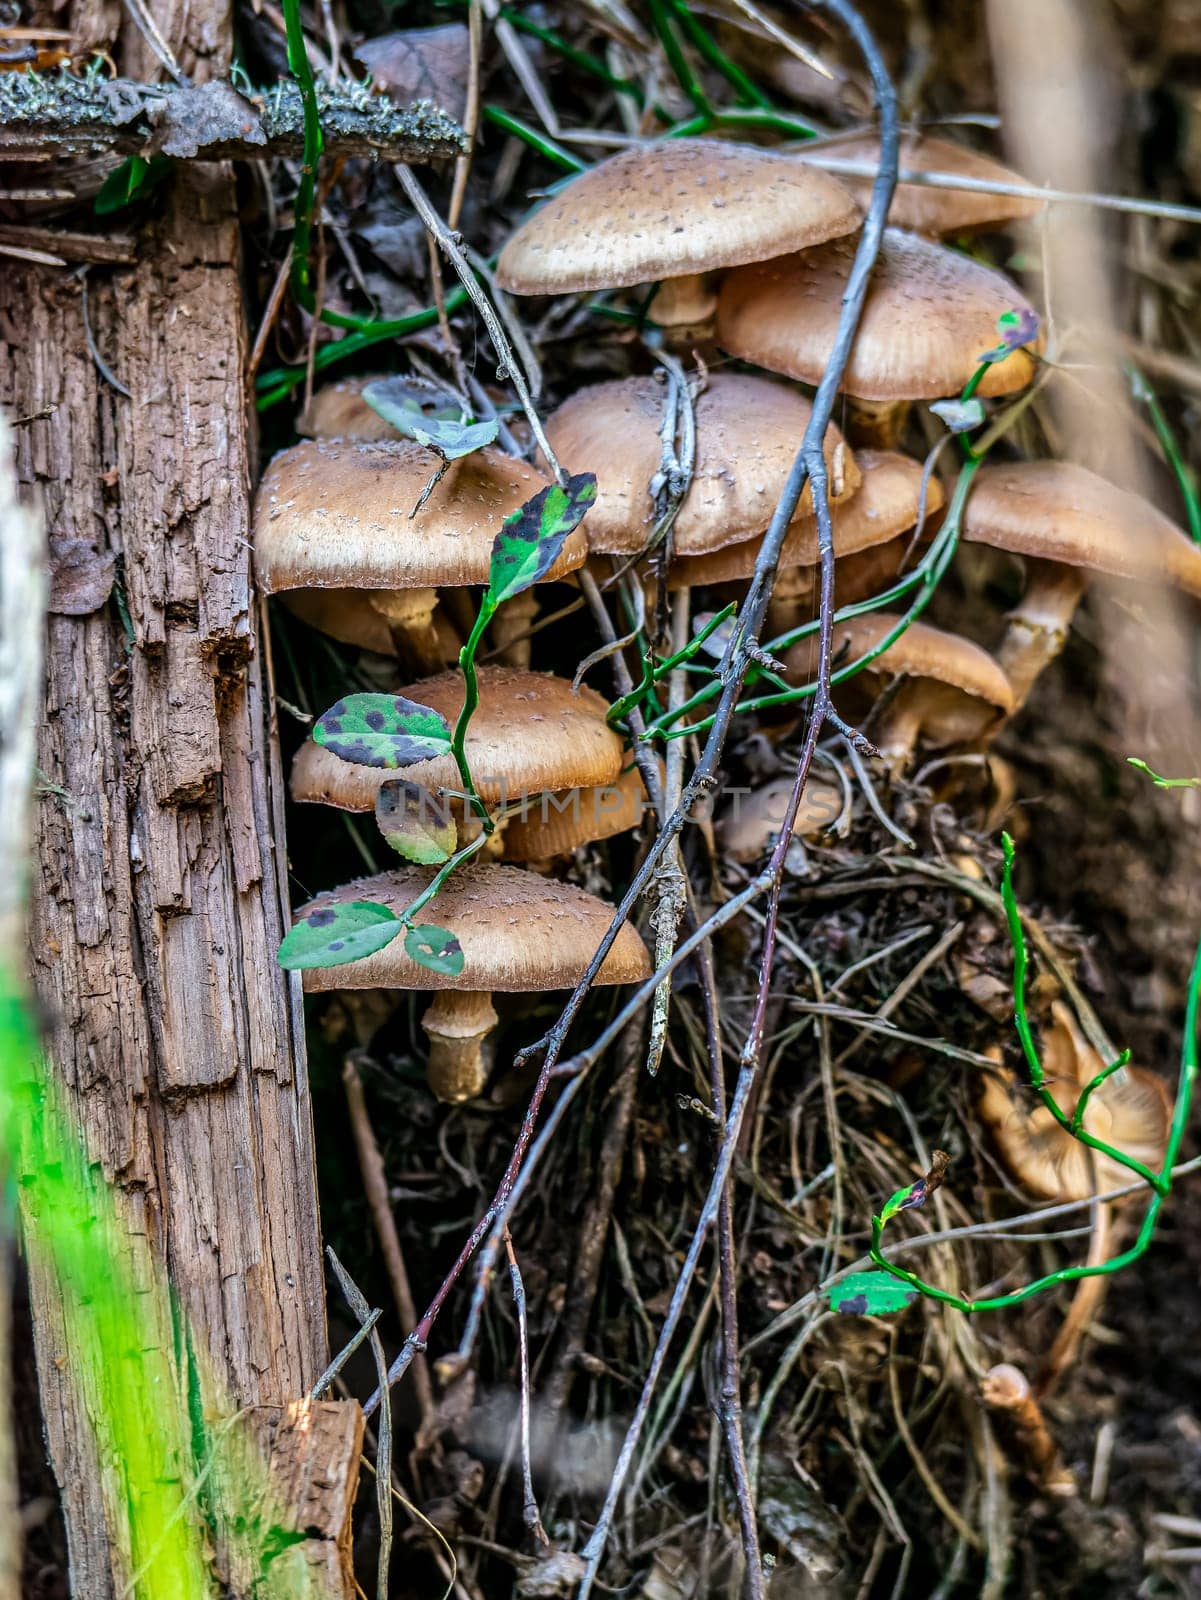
530	732
929	316
747	433
338	411
884	505
520	933
335	514
1056	511
1131	1111
923	208
555	824
669	209
924	652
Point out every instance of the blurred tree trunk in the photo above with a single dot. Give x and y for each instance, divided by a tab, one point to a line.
21	616
161	895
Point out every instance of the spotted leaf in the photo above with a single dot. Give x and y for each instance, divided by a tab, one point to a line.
435	948
417	824
531	538
382	730
443	428
871	1294
333	935
1015	328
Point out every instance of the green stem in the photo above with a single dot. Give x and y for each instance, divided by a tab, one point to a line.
746	117
652	674
707	46
471	699
544	145
677	59
1021	1022
440	877
1170	445
302	70
1162	1180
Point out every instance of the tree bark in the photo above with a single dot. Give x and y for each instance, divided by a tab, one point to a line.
161	898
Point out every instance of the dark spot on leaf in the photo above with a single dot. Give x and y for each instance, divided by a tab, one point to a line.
854	1306
374	719
320	919
337	944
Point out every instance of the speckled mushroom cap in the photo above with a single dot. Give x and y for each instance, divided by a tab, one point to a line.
922	652
334	514
884	505
747	433
1056	511
338	411
1131	1111
929	316
669	209
929	210
530	732
520	933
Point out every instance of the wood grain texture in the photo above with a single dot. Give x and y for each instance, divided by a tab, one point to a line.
161	898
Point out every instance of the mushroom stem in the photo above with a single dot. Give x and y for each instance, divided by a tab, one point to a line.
409	614
1037	628
896	733
510	629
1089	1294
457	1024
792	599
1006	1388
876	424
685	302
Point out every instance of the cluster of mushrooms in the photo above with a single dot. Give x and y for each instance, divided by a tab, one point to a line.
742	255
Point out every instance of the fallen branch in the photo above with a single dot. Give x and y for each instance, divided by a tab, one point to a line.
62	115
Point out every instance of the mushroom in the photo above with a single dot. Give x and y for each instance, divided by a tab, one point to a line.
751	824
530	733
747	432
929	316
338	411
668	213
952	693
1131	1111
1066	521
925	208
337	514
871	537
554	824
520	933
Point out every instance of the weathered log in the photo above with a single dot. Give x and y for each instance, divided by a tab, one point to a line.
59	114
161	897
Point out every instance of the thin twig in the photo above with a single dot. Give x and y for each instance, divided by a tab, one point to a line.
529	1506
383	1439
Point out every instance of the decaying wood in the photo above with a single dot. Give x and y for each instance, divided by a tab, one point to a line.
65	115
161	897
312	1450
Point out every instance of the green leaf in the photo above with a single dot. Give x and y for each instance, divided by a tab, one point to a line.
132	180
442	427
417	824
530	540
960	416
334	935
435	948
382	730
871	1294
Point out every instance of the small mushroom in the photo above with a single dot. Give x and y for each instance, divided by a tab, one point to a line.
750	824
520	933
673	210
1131	1111
952	690
871	538
747	430
530	733
554	824
929	316
1006	1388
1067	522
925	208
338	411
337	514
